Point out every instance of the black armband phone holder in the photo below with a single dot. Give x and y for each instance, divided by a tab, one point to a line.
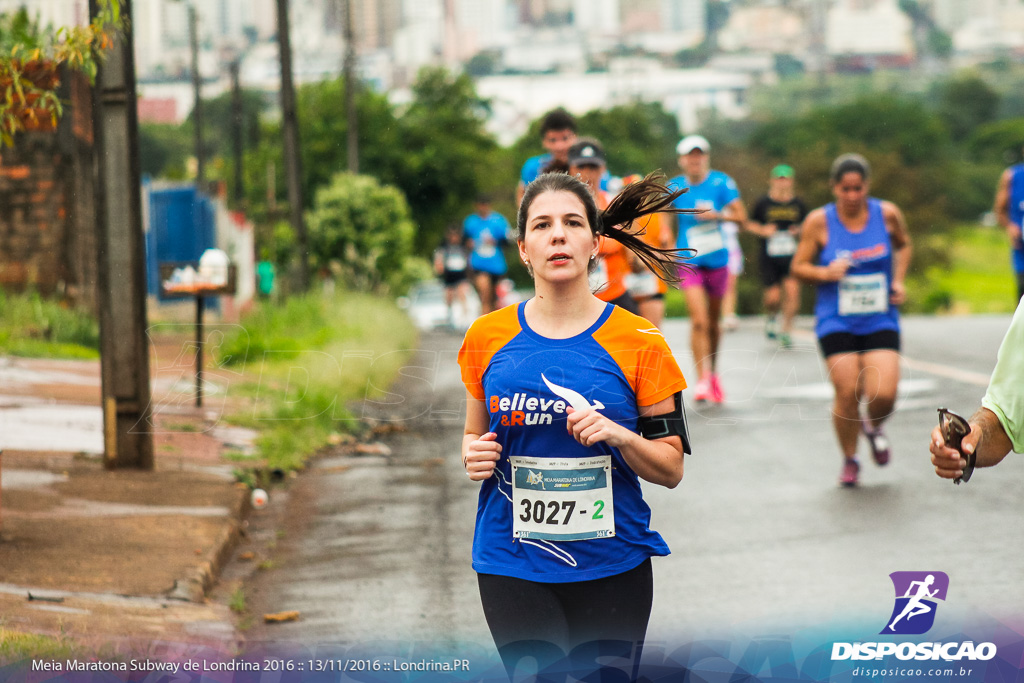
669	424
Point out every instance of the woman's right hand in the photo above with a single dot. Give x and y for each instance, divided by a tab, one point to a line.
481	456
836	271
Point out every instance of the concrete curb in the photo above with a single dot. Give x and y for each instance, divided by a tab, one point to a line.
201	578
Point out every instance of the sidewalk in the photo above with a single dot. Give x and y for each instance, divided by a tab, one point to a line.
116	560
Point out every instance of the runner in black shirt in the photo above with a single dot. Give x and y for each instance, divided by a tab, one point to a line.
776	219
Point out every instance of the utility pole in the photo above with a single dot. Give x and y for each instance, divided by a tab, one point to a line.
352	120
237	120
292	153
197	109
121	270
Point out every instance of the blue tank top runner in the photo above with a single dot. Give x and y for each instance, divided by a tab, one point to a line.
1015	204
859	303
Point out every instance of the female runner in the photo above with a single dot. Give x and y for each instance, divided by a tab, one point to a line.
857	250
571	402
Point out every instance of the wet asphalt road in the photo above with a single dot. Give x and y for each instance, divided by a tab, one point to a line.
764	541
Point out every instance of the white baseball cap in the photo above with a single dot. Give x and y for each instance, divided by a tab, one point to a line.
692	142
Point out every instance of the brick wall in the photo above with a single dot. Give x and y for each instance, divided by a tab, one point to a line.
46	206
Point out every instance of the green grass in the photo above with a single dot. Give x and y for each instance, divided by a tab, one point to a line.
33	326
237	601
17	647
311	358
978	279
675	303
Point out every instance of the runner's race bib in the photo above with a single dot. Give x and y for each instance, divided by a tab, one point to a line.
782	243
863	294
705	238
642	284
486	246
455	262
562	499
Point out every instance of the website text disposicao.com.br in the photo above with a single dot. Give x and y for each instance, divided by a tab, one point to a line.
907	672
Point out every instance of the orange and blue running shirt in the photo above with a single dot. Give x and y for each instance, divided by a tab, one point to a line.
619	363
609	276
608	279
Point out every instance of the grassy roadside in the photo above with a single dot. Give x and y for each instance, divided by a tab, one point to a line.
18	647
33	326
978	279
307	363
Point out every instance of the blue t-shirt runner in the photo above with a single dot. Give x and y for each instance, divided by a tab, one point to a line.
707	237
490	234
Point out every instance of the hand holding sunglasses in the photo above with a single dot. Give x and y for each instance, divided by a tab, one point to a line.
954	428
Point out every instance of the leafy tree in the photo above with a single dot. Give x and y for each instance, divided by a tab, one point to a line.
638	138
323	139
164	149
31	55
966	102
447	154
878	122
361	228
436	151
217	122
483	63
998	142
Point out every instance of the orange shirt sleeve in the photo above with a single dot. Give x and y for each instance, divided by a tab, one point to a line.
485	337
643	355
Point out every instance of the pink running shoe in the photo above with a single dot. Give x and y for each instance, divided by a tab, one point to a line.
879	443
703	391
850	472
717	395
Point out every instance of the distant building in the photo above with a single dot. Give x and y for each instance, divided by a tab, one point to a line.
664	26
773	28
982	26
864	34
603	17
158	110
690	94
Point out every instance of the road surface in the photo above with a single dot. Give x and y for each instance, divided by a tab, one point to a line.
377	548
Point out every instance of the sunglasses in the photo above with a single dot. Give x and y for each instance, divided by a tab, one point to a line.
954	428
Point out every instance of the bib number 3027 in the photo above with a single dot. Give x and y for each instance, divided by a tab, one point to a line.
562	499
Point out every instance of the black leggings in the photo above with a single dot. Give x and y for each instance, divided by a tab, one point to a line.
565	626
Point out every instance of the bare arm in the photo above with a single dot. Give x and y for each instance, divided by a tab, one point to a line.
812	241
1002	206
896	224
735	211
987	439
760	229
659	461
480	450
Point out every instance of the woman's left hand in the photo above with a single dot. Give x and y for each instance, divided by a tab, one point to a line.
590	427
897	293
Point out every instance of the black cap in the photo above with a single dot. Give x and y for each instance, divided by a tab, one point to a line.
586	152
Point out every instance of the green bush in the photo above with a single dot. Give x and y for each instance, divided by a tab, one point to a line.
363	228
31	325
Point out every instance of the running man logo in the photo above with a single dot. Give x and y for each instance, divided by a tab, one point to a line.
534	478
917	594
